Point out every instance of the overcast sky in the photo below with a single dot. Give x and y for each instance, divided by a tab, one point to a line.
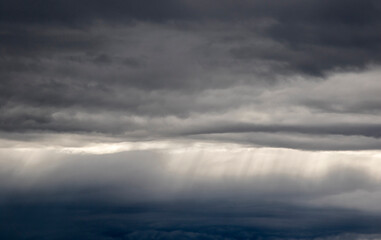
190	119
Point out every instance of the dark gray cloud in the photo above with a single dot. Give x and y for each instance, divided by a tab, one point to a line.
357	129
254	81
314	115
314	11
316	36
135	195
167	222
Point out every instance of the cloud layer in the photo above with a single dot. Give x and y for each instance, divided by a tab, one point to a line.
119	68
204	192
180	119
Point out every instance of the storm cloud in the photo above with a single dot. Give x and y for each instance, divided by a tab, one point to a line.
170	194
190	119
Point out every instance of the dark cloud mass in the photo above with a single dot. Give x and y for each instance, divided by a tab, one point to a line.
239	91
136	195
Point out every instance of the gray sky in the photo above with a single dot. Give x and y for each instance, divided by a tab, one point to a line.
150	109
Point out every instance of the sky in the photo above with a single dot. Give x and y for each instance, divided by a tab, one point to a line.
190	119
